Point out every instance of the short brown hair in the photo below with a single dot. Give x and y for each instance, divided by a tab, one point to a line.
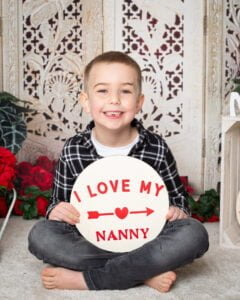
114	57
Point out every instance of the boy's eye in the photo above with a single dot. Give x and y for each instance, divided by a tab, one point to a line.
102	91
126	91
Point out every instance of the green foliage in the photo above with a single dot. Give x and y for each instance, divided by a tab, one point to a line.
29	206
13	129
236	81
207	205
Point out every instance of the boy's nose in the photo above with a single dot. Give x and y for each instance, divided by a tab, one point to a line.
115	99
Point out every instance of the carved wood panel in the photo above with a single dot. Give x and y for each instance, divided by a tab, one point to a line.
52	66
167	42
52	53
231	65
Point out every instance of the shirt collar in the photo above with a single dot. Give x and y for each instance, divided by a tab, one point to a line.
85	136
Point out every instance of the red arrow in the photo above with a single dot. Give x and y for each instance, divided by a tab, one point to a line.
148	211
95	214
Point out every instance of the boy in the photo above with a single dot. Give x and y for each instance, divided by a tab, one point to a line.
113	97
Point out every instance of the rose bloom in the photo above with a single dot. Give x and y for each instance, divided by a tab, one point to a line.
41	178
42	204
7	175
187	187
24	169
45	163
3	207
7	157
189	190
17	208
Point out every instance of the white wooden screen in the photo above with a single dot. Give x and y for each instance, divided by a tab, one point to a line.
46	44
167	40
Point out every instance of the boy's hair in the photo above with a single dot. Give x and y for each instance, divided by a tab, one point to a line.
113	57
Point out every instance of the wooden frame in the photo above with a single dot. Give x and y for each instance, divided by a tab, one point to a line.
230	182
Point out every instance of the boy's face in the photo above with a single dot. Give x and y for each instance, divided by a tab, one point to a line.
112	97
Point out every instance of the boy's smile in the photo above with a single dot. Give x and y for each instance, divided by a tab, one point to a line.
113	99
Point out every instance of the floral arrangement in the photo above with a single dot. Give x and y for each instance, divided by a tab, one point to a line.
33	183
207	207
7	176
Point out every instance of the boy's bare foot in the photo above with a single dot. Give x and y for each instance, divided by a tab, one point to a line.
60	278
162	282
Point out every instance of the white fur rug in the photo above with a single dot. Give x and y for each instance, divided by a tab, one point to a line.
214	276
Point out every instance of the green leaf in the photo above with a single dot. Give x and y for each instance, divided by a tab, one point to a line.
207	205
12	134
34	190
13	129
236	80
29	211
237	89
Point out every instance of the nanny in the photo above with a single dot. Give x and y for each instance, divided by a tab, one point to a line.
125	234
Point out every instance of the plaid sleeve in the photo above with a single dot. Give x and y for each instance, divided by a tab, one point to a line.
177	194
64	178
62	186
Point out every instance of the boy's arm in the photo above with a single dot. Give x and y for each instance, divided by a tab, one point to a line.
177	194
62	186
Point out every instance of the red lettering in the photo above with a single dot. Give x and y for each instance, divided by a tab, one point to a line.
122	234
145	187
101	235
112	236
144	232
114	185
91	194
158	188
125	185
102	187
77	196
133	233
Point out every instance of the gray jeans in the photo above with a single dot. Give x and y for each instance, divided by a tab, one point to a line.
60	244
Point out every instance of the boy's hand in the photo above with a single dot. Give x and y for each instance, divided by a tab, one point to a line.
175	213
65	212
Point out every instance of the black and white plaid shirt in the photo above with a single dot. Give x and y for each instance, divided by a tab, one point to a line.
79	152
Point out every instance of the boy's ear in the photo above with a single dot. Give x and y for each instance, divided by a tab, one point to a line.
84	102
140	102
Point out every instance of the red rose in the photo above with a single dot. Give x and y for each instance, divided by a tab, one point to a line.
45	163
213	218
17	209
3	207
42	204
26	181
199	218
24	169
189	190
187	187
7	175
41	178
184	180
7	157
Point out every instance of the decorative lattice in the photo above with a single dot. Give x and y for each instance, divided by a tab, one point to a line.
232	44
158	46
52	70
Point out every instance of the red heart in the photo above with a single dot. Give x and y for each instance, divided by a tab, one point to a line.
121	213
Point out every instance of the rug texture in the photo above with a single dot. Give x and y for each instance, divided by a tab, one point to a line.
214	276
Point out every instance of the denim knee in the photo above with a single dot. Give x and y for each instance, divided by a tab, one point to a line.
199	235
183	241
194	237
37	242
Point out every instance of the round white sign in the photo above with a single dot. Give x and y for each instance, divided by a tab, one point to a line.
123	203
